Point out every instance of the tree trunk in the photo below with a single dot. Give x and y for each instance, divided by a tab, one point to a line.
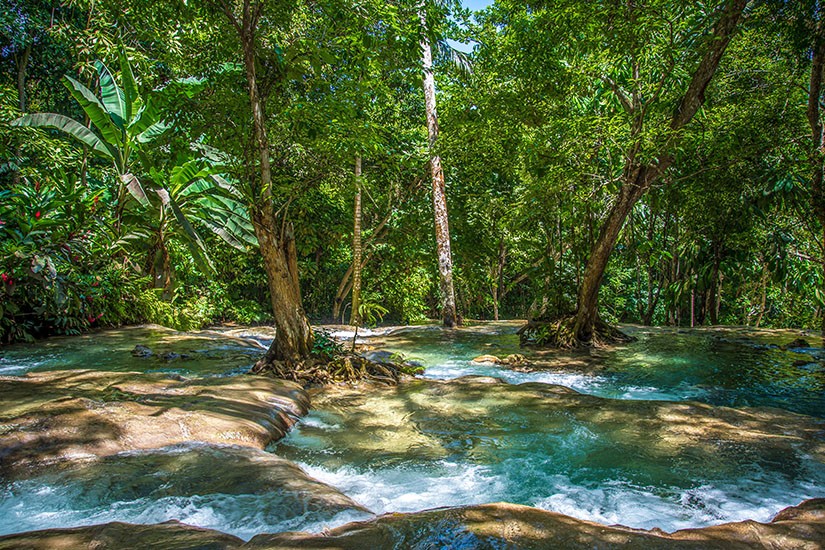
631	191
814	115
293	335
345	285
357	252
763	291
22	67
442	227
638	178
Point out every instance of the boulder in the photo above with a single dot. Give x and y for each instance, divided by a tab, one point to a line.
142	351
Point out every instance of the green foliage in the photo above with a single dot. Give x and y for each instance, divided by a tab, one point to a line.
534	141
325	346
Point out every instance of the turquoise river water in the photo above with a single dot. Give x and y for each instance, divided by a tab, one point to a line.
625	451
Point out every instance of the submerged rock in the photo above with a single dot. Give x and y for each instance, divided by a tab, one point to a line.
511	526
797	343
54	416
142	351
512	360
238	490
486	526
424	419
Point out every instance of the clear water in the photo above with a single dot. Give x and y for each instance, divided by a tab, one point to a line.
205	353
640	463
734	367
623	453
249	494
606	460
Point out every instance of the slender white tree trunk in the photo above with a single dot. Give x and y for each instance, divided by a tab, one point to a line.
442	226
357	249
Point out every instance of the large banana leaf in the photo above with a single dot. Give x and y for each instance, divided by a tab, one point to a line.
224	233
95	110
113	97
133	186
130	89
71	127
152	132
228	226
188	173
194	242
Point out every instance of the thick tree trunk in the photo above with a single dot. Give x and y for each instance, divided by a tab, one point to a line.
636	184
814	114
293	335
357	252
638	179
442	226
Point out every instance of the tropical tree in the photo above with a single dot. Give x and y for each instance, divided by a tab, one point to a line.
425	12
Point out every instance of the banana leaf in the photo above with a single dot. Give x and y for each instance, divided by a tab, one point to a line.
71	127
113	97
96	112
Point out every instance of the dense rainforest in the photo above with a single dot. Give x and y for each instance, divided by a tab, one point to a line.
192	162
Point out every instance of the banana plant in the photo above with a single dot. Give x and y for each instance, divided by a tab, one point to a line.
190	196
123	122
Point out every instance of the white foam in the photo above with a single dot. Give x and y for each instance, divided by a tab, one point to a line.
671	509
244	516
410	489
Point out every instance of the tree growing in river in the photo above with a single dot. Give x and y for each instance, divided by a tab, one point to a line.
657	61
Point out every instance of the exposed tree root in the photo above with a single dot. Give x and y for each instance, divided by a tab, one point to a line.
343	367
559	333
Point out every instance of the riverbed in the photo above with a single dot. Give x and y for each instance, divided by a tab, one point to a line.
679	429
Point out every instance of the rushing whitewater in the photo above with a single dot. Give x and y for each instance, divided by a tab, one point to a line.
679	429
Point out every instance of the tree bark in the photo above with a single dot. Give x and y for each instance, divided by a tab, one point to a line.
638	178
442	226
22	67
357	252
293	334
763	292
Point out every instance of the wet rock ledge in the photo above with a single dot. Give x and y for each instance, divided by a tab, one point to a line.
53	417
498	525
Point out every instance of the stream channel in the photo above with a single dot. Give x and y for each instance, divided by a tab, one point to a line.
682	428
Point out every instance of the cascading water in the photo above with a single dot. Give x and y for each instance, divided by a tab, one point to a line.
632	447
